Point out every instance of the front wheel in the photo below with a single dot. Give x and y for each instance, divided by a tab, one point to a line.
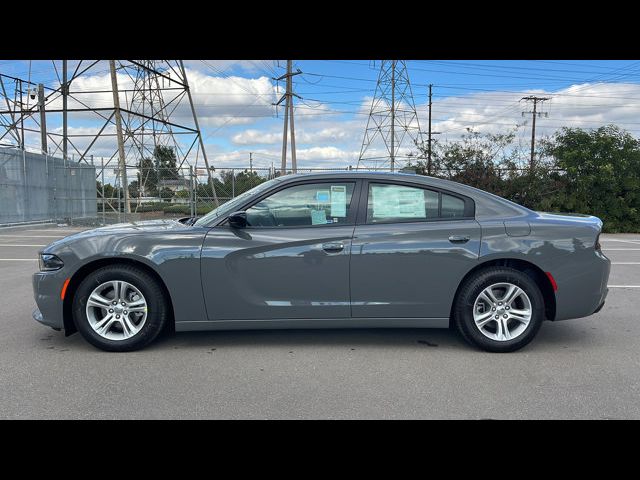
119	308
499	309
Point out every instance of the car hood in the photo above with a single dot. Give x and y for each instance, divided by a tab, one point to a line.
120	229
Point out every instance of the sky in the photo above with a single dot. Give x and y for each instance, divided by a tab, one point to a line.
233	101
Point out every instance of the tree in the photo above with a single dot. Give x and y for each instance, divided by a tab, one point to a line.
233	184
147	177
489	162
601	175
166	163
109	191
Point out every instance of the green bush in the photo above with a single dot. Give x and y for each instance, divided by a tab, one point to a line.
595	172
149	207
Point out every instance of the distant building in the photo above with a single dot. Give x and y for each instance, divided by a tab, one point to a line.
175	185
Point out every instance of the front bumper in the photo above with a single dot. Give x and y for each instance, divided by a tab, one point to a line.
37	315
46	292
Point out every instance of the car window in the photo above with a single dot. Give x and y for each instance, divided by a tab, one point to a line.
389	203
304	206
451	206
233	204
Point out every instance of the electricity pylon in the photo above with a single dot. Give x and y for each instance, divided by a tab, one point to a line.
392	119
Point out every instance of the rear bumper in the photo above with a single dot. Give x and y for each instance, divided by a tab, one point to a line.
582	287
603	301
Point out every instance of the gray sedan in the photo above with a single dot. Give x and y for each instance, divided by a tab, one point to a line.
334	250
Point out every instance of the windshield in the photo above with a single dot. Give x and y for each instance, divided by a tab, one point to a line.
231	205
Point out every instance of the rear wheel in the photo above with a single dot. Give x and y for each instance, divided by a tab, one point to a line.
119	308
499	309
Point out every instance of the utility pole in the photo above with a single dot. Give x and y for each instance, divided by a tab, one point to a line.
43	119
535	113
288	110
430	133
283	164
65	93
294	164
118	115
429	144
393	114
250	162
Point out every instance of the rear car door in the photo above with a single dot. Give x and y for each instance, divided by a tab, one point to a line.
292	260
411	248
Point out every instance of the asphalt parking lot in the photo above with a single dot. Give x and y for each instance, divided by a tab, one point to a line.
586	368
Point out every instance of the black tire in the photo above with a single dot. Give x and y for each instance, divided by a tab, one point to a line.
474	285
157	307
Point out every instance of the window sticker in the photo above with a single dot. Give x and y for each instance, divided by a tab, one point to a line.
318	217
397	202
322	196
338	201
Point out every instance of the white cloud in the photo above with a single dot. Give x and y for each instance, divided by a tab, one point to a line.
219	100
584	106
303	136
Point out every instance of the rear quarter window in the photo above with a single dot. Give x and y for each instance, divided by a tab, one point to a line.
452	207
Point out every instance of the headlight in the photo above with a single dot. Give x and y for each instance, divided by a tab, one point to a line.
49	262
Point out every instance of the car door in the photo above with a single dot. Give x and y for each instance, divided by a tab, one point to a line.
410	250
290	262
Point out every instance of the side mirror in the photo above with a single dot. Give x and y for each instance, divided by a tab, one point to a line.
238	219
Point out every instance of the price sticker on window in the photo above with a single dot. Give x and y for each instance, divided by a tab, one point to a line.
338	201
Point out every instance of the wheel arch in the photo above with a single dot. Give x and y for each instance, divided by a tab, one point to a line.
524	266
92	266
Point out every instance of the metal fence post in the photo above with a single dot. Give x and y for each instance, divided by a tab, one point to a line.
233	183
120	188
25	194
102	168
192	209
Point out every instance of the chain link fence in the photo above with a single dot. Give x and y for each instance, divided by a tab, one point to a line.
36	187
40	188
174	192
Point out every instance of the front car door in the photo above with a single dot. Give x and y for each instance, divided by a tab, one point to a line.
290	262
411	250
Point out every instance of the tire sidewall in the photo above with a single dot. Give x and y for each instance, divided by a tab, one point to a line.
156	310
481	281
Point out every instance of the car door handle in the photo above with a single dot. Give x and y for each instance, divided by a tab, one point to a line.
459	238
332	246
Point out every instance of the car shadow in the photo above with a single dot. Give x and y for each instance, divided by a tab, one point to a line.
552	336
348	338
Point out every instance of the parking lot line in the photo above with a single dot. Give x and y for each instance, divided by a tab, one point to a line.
18	259
620	249
623	286
625	263
635	242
